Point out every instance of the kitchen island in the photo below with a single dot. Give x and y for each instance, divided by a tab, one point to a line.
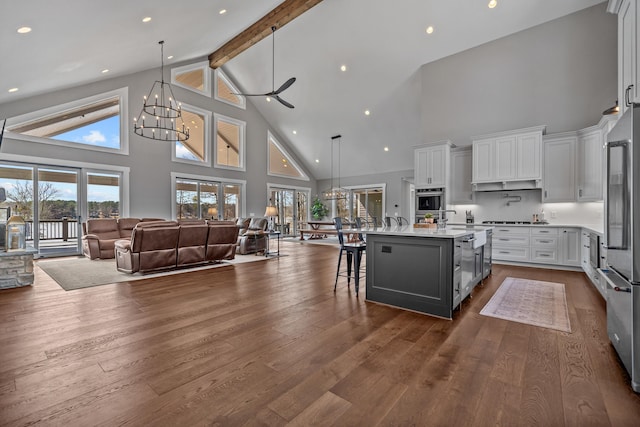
425	270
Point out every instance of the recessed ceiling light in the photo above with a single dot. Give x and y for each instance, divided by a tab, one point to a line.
146	19
24	30
105	71
317	160
386	148
343	68
492	4
268	99
429	29
170	57
13	89
367	112
222	11
295	132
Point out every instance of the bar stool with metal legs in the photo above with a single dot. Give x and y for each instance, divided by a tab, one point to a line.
354	252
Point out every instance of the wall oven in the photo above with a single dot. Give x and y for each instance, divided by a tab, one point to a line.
429	200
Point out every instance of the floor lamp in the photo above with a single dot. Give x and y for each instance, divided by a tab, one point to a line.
270	213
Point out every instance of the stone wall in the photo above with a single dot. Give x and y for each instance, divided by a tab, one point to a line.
16	269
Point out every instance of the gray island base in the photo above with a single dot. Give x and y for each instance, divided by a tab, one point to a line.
421	270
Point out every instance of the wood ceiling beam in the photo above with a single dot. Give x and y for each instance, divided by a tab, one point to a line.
284	13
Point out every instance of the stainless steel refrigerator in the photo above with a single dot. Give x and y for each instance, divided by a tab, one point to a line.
623	241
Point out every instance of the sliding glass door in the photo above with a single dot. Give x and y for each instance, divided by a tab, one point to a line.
196	198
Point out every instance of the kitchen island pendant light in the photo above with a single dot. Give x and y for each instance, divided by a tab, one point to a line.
335	192
161	115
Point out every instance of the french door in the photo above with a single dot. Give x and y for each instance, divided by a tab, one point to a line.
47	198
293	208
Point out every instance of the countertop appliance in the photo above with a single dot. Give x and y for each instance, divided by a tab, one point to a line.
429	200
622	231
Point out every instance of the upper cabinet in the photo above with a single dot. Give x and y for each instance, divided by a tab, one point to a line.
431	165
574	164
508	160
628	44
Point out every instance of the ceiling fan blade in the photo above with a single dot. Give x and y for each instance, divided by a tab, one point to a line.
285	85
283	102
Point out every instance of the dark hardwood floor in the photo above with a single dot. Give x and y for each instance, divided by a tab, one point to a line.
269	343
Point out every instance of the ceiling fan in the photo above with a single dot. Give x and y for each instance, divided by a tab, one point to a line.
275	93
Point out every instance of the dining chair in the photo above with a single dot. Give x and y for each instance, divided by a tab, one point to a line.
390	221
402	221
354	251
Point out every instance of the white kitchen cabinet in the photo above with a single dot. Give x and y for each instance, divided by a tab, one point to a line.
570	253
431	164
628	44
559	184
506	157
461	191
590	166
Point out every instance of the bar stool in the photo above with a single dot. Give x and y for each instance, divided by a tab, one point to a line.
354	252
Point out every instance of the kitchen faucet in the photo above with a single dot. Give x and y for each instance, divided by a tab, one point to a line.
442	222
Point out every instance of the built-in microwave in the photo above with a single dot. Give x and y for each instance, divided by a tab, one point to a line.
429	200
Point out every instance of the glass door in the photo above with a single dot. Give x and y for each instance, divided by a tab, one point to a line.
293	208
56	225
231	199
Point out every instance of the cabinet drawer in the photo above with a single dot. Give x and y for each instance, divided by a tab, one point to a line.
544	231
547	256
508	231
510	254
511	240
546	242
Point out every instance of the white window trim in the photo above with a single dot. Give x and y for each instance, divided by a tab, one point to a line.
219	74
122	93
85	190
242	149
204	65
84	168
284	151
180	175
207	138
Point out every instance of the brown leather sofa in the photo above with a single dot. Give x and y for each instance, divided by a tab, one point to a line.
170	244
252	239
100	235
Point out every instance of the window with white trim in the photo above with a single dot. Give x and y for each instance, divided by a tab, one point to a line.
194	77
279	161
196	148
93	123
226	91
230	143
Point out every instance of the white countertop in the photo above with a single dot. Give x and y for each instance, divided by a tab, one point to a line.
598	228
451	232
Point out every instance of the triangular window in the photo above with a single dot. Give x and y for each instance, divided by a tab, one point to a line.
194	77
225	91
94	123
196	148
280	163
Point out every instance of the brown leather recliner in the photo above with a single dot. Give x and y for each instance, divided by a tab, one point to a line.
100	235
221	241
153	246
253	239
192	243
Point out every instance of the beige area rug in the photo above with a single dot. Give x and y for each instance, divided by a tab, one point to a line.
532	302
80	272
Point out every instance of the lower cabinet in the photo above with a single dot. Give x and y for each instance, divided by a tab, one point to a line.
536	244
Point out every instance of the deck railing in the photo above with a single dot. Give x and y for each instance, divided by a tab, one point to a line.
53	229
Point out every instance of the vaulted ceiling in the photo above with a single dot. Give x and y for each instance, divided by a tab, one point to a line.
382	45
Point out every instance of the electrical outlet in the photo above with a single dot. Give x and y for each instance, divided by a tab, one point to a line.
251	214
395	213
553	214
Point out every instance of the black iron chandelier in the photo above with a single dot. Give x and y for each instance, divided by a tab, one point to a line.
161	115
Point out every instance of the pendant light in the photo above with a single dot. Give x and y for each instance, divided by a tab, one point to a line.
161	115
335	192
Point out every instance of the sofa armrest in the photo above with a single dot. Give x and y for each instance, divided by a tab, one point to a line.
91	246
123	245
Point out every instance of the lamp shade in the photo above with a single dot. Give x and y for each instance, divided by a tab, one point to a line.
271	211
212	212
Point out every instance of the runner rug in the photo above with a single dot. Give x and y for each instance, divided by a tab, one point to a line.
532	302
80	272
